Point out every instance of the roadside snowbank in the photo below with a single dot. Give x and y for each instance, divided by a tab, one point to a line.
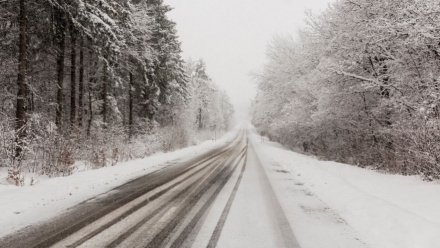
22	206
388	211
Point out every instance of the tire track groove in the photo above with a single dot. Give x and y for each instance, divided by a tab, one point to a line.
220	224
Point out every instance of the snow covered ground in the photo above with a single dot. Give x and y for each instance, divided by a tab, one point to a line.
22	206
336	205
327	204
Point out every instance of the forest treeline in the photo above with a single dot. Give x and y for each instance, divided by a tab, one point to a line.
359	85
98	81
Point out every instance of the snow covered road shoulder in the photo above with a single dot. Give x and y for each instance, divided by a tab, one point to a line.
23	206
336	205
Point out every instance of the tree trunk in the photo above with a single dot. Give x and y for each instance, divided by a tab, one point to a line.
90	88
72	75
60	36
130	107
104	94
81	84
22	94
89	124
382	74
149	108
200	118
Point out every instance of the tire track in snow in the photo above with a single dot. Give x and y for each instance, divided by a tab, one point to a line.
219	227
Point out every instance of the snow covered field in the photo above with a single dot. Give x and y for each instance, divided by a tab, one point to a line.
337	205
22	206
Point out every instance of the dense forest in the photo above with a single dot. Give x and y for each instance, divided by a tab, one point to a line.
359	84
98	81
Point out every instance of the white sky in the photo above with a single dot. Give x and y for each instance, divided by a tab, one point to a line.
231	36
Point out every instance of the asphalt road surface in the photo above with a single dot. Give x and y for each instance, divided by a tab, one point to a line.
219	199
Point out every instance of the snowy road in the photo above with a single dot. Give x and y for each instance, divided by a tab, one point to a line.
241	191
222	198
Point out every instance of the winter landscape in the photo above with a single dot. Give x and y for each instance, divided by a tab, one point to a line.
220	123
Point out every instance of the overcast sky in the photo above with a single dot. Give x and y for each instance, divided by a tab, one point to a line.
232	36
